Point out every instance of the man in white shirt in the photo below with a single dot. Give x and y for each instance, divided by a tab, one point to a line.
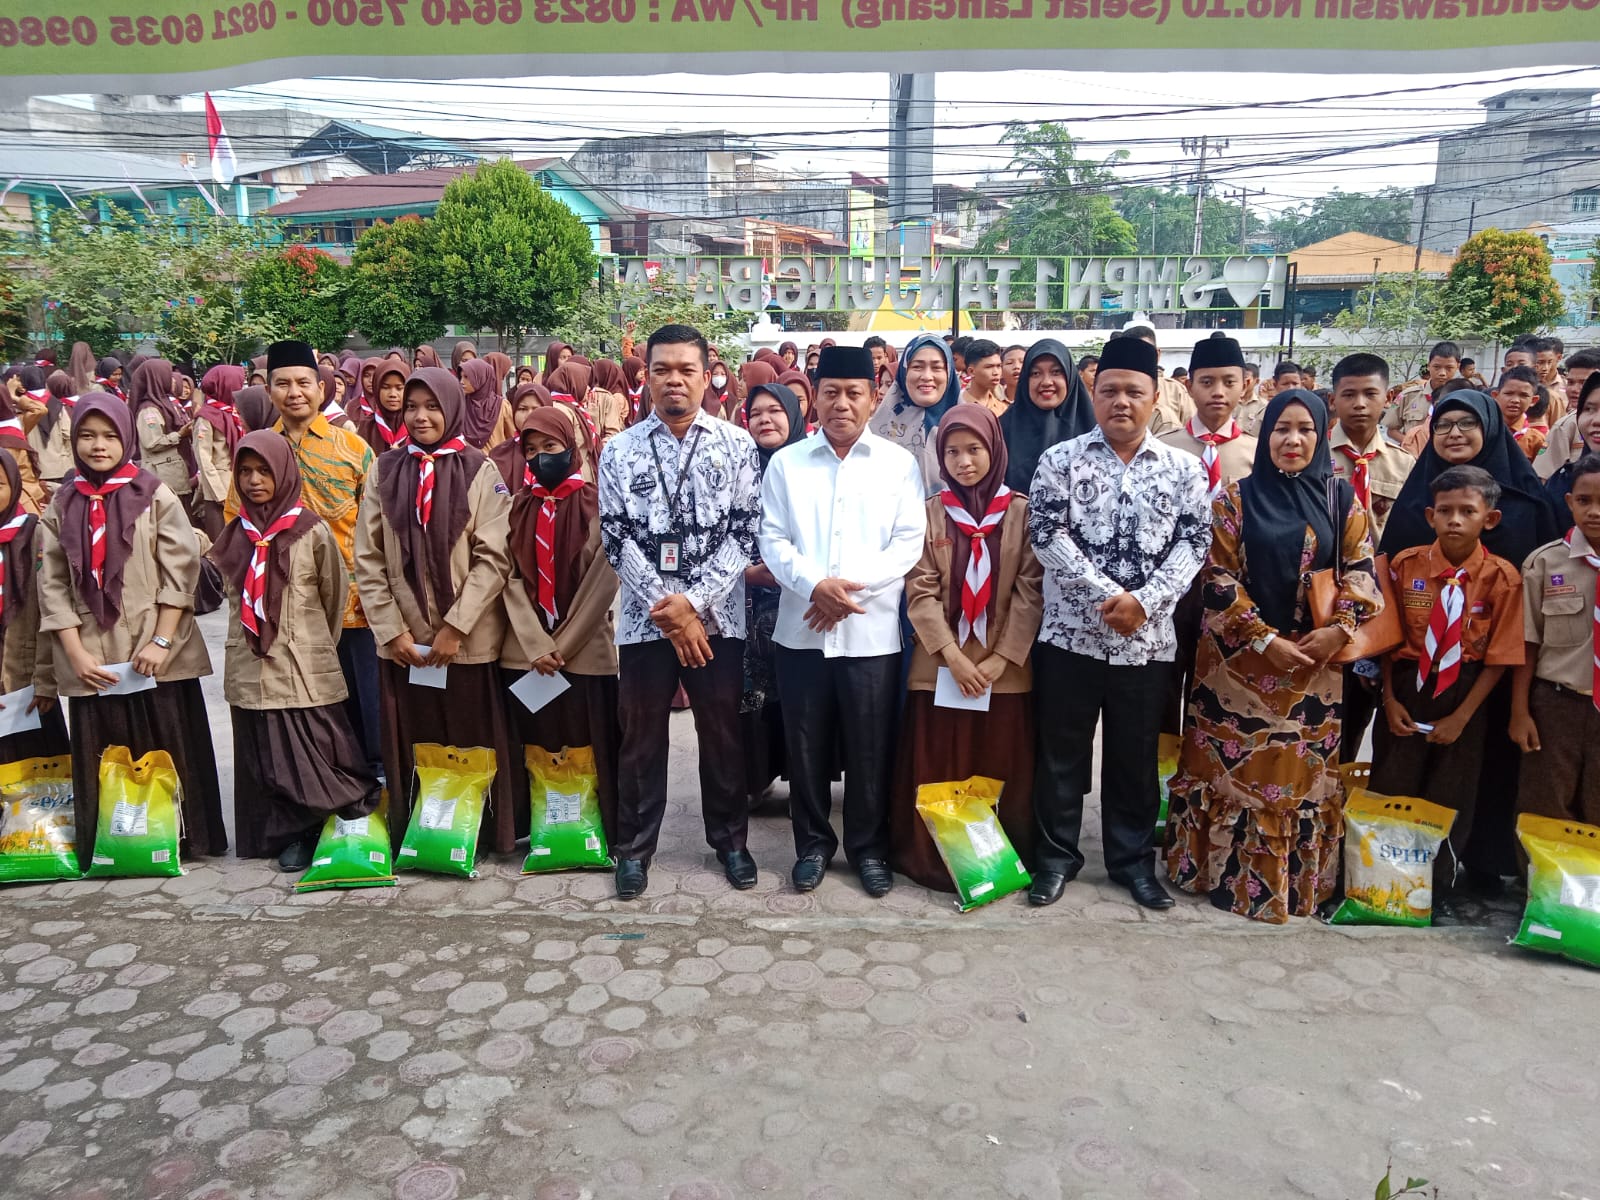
842	521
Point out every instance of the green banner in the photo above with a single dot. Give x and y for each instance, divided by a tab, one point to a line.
54	46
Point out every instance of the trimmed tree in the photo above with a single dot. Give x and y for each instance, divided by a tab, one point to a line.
301	292
393	299
1504	280
512	258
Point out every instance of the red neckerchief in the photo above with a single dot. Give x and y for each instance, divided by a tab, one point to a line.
979	579
252	597
544	540
391	437
425	475
8	531
1209	456
126	473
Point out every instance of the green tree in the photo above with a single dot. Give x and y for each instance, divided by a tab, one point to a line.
1163	221
1385	214
13	318
595	324
394	297
1062	205
1504	280
512	258
301	291
1401	316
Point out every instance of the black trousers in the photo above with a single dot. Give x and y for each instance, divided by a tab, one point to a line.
1072	694
829	702
648	679
358	660
1362	699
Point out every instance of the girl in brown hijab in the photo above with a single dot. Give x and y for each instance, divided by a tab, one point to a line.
502	370
385	428
258	371
21	664
14	432
460	353
166	429
790	353
633	372
81	368
608	399
569	385
118	568
50	439
797	383
558	603
427	356
555	354
487	421
975	602
255	408
754	374
296	757
431	562
507	456
217	431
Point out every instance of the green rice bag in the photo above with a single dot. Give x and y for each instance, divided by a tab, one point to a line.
452	788
1390	846
565	830
38	832
351	854
1563	912
962	821
1169	747
137	832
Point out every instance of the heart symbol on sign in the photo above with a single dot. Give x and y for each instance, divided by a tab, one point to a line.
1245	277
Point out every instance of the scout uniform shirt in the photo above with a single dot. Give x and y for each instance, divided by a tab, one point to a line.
1386	472
1235	457
1174	406
1249	413
1558	612
1563	444
1491	621
1410	410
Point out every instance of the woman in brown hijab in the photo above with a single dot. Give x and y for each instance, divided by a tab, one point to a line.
50	439
790	353
975	603
295	756
81	368
569	385
797	382
118	567
558	603
431	562
487	421
502	370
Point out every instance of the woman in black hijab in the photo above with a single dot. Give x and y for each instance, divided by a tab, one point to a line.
1051	406
1255	818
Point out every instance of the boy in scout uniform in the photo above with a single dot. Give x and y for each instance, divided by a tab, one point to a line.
1553	714
1416	403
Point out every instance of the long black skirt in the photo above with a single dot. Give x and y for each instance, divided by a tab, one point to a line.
291	768
583	715
47	741
170	717
469	711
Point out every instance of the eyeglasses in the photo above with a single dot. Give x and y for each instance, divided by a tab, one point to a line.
1464	424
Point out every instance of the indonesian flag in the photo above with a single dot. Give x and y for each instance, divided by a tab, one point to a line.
223	164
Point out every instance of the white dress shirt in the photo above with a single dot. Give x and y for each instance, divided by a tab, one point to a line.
860	518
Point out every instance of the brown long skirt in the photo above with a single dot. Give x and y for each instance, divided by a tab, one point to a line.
583	715
469	711
170	717
48	741
943	745
291	768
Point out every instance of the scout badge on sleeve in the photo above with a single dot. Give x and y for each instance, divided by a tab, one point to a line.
1563	912
138	829
565	829
452	788
962	821
38	834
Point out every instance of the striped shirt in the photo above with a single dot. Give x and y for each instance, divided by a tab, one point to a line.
333	467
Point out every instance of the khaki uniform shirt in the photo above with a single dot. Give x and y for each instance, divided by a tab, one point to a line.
159	453
29	658
584	635
1410	410
1563	444
53	449
162	569
301	669
480	561
1558	612
608	411
216	465
1386	474
1249	414
995	401
1237	458
1018	602
1491	622
1174	406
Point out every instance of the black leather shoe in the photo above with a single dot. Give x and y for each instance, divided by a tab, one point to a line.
1047	887
808	872
739	867
1148	892
876	877
633	876
296	857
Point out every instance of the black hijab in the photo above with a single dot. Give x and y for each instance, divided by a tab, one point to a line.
1029	430
1278	507
791	409
1527	519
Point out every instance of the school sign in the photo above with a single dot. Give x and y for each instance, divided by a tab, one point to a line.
55	46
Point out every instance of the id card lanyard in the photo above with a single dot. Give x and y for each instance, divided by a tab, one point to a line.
669	548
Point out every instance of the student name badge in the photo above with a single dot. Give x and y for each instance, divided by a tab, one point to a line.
667	556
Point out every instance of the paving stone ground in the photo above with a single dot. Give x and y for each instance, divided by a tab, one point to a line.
216	1036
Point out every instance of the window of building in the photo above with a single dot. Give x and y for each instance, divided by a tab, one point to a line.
1586	202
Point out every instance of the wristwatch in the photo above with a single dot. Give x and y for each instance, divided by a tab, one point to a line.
1261	643
164	643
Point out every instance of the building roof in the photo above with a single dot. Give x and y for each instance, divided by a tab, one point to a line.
33	160
410	190
1356	257
381	149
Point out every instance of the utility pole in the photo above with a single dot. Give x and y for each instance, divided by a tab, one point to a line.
1472	218
1153	250
1201	147
1242	195
1422	228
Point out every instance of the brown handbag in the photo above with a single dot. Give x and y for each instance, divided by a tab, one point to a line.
1379	633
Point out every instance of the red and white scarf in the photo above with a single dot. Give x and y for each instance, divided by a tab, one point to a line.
227	410
391	437
425	475
979	579
126	473
1441	648
635	398
544	539
253	596
107	386
1359	478
572	402
1209	456
8	531
1594	562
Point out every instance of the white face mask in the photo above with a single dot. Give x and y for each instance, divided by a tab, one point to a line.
718	381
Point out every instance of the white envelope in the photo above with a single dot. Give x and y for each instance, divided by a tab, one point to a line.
536	690
433	677
15	717
947	694
129	681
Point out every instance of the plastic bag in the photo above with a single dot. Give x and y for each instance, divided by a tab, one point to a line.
1169	746
1390	845
351	854
565	830
447	809
137	832
1563	912
962	821
38	830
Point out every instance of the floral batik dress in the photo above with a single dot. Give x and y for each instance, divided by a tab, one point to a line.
1256	805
